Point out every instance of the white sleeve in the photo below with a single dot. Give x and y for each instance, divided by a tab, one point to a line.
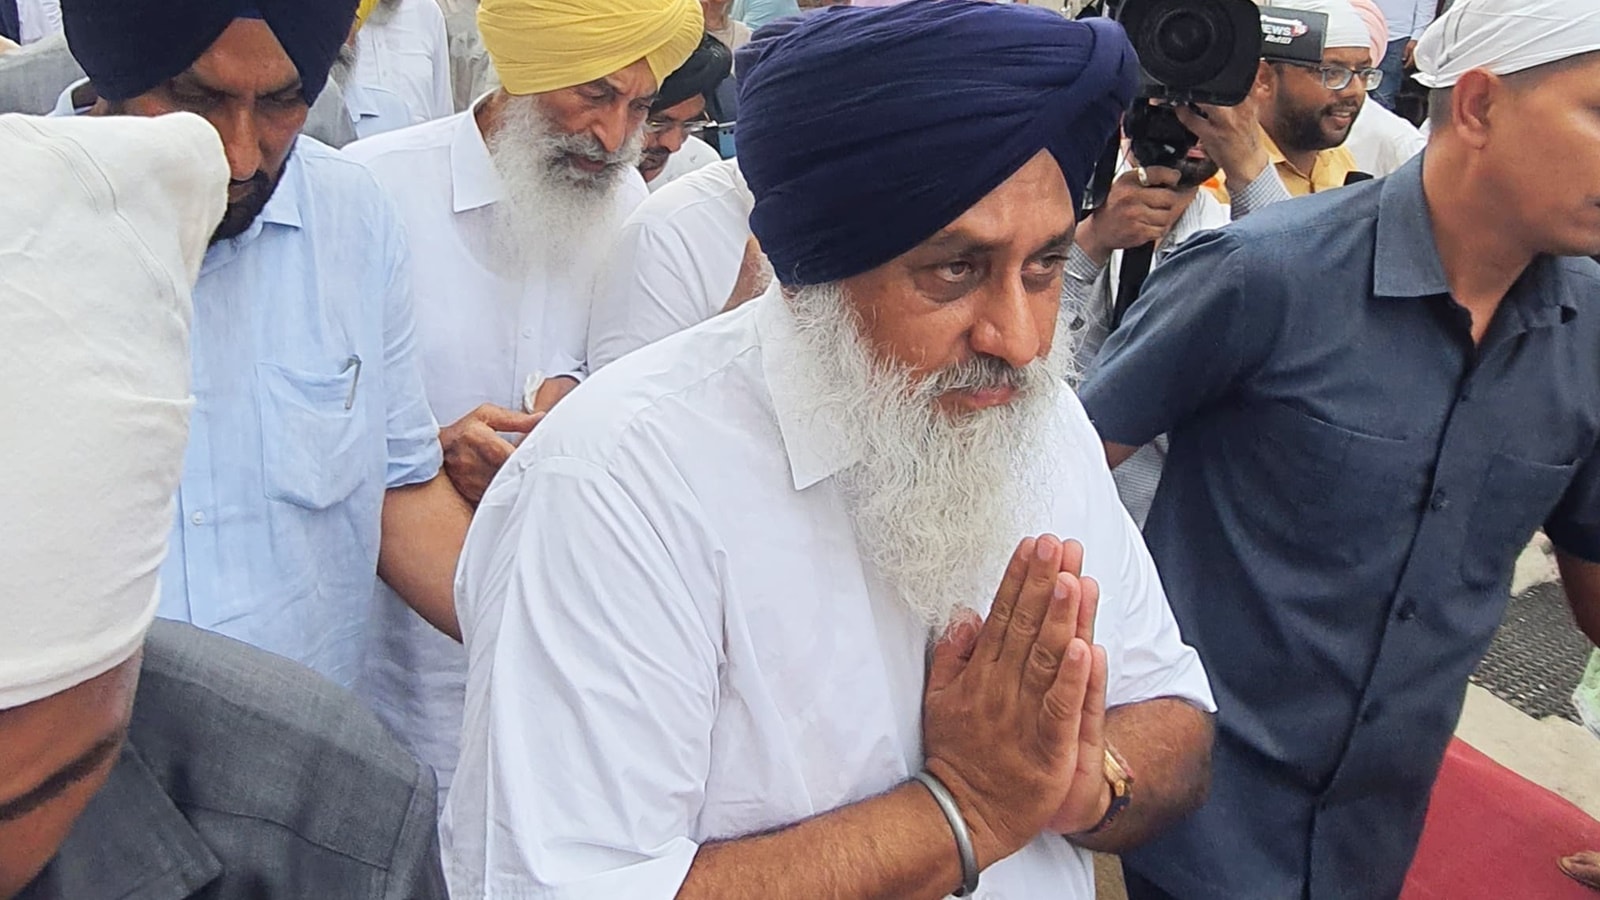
592	687
651	289
1146	655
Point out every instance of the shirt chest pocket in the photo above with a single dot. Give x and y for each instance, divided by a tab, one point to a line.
311	429
1334	479
1517	496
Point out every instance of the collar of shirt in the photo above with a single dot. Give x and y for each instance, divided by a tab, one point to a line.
473	180
1406	260
132	820
282	209
816	450
1328	171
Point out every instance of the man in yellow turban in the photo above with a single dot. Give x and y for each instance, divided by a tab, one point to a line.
511	207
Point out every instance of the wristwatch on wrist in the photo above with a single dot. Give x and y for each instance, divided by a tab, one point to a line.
1120	777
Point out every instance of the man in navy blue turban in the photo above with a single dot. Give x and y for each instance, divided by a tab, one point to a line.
747	575
314	460
252	67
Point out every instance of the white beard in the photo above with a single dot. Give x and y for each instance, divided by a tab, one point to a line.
553	215
939	501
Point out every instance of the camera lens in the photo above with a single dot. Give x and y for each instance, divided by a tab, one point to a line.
1185	37
1182	41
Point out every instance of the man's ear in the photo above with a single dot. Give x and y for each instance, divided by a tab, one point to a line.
1266	80
1474	101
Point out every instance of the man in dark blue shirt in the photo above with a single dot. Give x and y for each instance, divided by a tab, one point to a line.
1374	398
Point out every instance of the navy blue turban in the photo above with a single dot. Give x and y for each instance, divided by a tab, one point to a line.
128	47
864	131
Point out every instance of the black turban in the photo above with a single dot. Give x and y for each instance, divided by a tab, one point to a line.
705	68
864	131
128	47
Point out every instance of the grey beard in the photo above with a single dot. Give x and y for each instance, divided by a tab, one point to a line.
344	65
938	501
553	213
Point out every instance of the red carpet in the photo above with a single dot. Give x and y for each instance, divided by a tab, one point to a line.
1493	835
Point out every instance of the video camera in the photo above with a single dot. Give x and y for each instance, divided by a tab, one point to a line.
1199	51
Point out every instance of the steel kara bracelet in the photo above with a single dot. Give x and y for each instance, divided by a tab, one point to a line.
958	826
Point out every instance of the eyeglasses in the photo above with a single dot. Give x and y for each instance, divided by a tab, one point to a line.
1337	78
695	127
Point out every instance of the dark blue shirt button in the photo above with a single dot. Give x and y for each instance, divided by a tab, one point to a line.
1373	710
1440	502
1407	611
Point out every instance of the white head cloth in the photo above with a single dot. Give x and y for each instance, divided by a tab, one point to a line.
1505	36
1345	28
105	224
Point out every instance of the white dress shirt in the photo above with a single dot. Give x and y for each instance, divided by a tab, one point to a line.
695	154
408	52
1381	141
674	263
482	331
674	638
38	19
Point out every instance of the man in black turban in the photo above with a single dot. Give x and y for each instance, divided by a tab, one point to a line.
679	111
251	67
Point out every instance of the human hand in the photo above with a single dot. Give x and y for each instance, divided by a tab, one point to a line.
1231	136
474	450
1006	702
1135	213
1408	60
1090	797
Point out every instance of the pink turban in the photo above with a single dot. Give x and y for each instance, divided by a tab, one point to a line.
1377	27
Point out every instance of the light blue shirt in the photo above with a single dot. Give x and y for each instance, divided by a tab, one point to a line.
757	13
309	406
375	110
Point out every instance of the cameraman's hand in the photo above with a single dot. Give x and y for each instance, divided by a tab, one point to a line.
1133	214
1231	136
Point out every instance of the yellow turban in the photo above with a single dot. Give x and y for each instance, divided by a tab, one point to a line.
545	45
363	10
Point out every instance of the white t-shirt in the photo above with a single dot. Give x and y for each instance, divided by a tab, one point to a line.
674	263
481	333
674	638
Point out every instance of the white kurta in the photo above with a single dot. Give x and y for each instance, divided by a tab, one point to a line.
481	332
694	155
408	52
39	19
674	264
1381	141
674	638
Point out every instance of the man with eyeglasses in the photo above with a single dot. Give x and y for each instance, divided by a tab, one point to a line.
1306	111
510	207
672	144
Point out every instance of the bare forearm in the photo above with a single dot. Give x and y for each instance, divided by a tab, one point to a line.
1117	454
1167	743
424	526
1581	581
897	846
